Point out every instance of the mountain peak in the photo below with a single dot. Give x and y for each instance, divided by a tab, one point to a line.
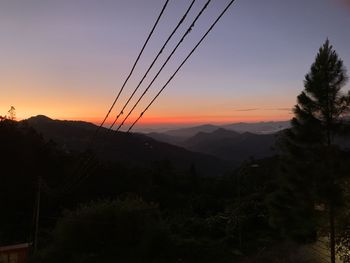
39	118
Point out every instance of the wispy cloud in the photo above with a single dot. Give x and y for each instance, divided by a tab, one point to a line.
263	109
284	109
253	109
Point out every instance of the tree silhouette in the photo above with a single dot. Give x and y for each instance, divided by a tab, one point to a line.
310	147
124	230
12	113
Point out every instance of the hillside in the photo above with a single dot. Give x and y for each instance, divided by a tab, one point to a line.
230	145
223	143
259	127
191	131
240	127
133	148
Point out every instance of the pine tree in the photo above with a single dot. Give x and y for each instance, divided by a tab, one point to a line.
12	113
309	148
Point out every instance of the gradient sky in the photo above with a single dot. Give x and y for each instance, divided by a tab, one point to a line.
68	58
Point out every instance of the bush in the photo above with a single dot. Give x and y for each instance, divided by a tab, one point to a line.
109	231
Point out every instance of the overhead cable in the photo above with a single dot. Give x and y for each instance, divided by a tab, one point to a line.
131	71
152	64
183	62
164	64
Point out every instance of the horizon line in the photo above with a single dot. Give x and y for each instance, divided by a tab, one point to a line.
145	122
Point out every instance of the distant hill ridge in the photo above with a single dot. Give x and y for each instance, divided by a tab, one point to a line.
42	119
133	148
241	127
194	144
191	131
230	145
235	142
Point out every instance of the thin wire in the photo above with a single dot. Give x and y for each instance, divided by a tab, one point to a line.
132	70
83	163
184	61
164	64
189	30
88	170
61	190
152	64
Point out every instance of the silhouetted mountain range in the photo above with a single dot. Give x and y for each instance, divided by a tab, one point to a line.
191	131
258	127
133	148
230	145
225	144
177	136
207	146
241	127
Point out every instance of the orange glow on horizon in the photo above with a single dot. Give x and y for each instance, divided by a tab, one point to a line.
210	119
185	120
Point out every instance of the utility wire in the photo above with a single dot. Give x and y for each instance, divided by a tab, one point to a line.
152	64
184	61
132	70
89	169
83	163
166	62
187	32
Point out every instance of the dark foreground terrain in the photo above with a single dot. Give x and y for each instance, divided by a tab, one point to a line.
130	198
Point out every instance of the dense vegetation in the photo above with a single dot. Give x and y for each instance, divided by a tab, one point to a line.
191	217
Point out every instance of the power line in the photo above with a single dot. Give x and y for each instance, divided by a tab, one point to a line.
184	61
187	32
83	163
152	64
164	64
132	70
89	168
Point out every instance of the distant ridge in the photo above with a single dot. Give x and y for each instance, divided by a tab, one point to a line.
179	136
209	138
231	145
122	147
201	142
191	131
42	119
241	127
259	127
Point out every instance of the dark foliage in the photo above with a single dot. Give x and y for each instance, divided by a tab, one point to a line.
198	219
25	157
129	230
311	196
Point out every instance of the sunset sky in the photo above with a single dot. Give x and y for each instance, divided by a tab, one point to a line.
68	58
